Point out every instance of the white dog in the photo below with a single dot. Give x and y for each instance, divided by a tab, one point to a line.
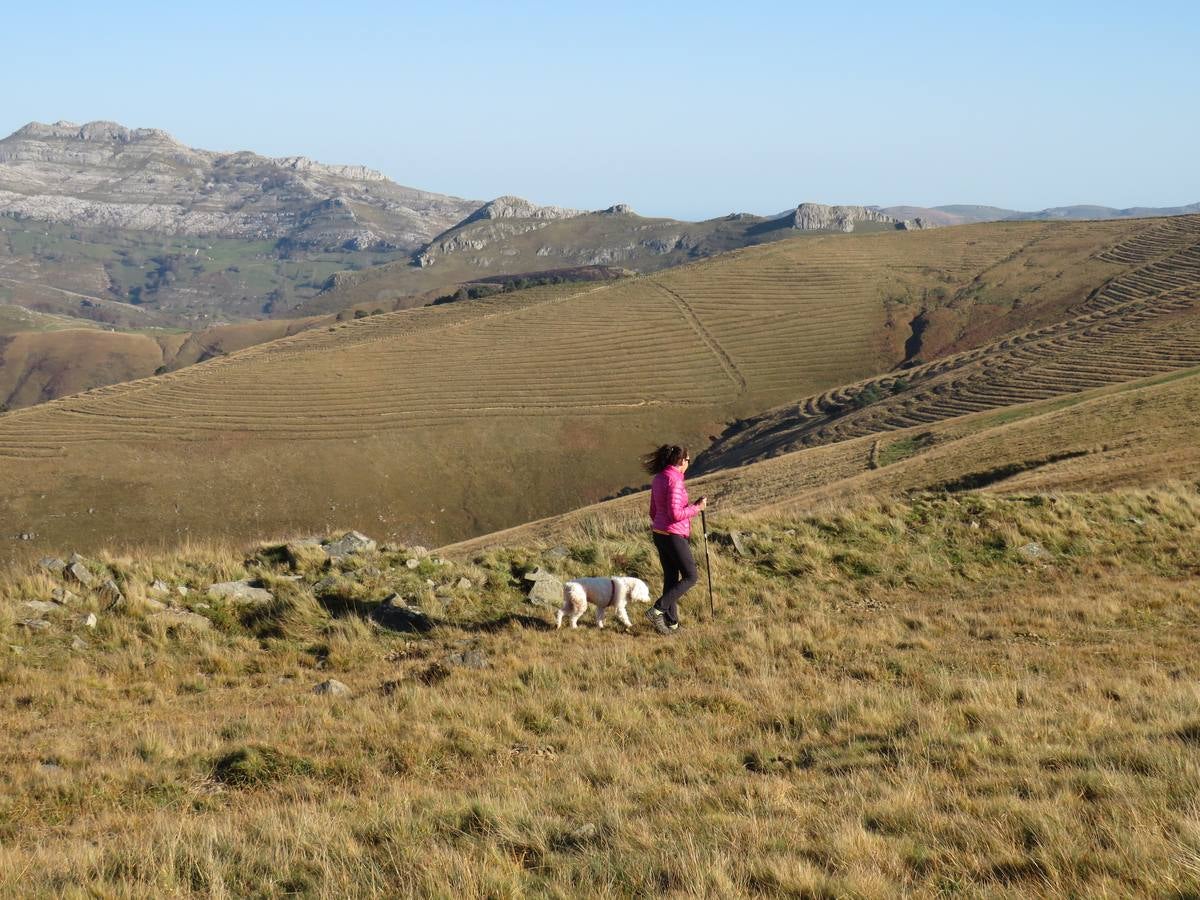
606	593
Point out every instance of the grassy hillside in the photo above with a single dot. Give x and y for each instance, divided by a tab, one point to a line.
896	698
556	389
61	358
1142	320
1141	433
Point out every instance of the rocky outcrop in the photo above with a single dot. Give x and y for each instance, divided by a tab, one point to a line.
819	217
104	174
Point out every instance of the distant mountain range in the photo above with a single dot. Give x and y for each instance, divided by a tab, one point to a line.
965	214
97	219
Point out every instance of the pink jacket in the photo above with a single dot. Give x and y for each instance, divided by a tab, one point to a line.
669	507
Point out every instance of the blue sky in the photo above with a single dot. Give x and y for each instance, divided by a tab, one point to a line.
688	110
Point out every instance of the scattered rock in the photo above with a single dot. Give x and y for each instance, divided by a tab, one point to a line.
429	582
1033	550
350	543
182	590
547	589
79	573
62	595
240	592
585	833
40	607
332	687
739	543
151	603
89	621
160	587
111	593
557	552
412	562
78	644
395	614
1134	520
539	574
34	624
52	564
181	618
26	536
469	659
76	560
464	584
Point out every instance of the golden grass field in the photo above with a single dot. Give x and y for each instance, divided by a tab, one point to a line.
892	700
555	389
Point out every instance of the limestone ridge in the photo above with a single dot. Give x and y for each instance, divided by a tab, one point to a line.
819	217
105	174
499	219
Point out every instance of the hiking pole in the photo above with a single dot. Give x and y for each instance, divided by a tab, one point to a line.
712	609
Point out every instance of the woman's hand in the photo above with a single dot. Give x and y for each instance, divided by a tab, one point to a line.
703	504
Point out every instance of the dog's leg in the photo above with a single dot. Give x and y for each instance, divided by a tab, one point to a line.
601	611
558	617
623	614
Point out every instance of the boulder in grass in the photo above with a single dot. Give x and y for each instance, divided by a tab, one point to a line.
111	594
52	564
395	614
62	595
181	618
547	589
350	543
240	592
78	571
39	607
160	587
89	621
332	687
1033	551
34	624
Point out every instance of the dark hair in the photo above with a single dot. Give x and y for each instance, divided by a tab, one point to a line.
666	455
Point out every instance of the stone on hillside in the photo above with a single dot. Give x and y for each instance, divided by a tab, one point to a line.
39	607
34	624
62	595
240	592
181	617
151	603
110	592
182	590
557	552
469	659
350	543
325	585
160	587
78	644
546	591
89	621
79	573
1033	550
412	562
52	564
538	574
739	543
395	614
332	687
76	560
464	584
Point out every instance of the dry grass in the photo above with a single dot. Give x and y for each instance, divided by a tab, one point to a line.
893	699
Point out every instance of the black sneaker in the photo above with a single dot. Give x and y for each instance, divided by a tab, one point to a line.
656	619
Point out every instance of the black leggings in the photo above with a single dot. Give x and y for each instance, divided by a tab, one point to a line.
679	573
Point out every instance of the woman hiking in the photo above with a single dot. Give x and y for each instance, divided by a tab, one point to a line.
671	520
